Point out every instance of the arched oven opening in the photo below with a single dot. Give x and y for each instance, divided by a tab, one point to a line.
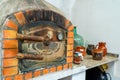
35	41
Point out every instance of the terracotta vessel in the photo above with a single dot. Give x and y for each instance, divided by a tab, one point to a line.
102	46
97	54
78	57
81	49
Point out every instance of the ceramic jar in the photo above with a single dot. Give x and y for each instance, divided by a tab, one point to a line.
81	49
97	54
102	46
90	47
77	58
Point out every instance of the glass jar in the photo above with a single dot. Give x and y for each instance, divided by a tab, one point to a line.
78	39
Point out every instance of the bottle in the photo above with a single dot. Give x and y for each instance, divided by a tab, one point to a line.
78	39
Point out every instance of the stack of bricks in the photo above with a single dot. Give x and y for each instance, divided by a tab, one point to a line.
10	69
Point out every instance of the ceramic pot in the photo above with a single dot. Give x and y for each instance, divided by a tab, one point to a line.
90	47
102	46
81	49
97	54
77	57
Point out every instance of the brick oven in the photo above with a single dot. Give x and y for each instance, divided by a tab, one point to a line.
36	39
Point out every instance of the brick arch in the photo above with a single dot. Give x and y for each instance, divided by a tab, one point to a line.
10	43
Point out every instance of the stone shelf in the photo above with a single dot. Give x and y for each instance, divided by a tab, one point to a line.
79	70
90	63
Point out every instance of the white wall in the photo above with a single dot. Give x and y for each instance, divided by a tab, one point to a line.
64	5
98	20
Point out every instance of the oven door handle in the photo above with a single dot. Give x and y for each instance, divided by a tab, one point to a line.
30	37
29	56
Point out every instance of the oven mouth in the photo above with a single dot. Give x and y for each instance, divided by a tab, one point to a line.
53	53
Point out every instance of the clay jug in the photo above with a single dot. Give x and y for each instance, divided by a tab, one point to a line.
102	46
81	49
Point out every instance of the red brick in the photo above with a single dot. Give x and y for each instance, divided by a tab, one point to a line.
11	24
69	59
28	75
71	28
8	53
59	68
65	66
52	69
20	18
18	77
67	22
9	34
70	40
10	43
10	62
70	47
69	53
70	65
10	71
37	73
45	71
8	78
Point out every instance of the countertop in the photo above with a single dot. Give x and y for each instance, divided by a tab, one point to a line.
90	63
